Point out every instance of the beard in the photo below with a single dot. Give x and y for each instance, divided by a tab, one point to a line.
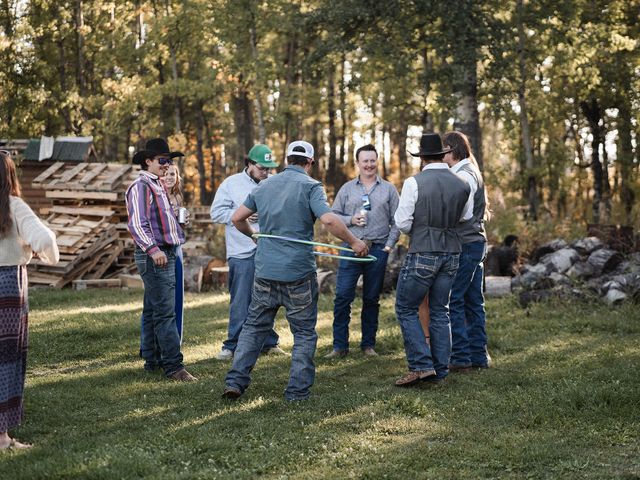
255	179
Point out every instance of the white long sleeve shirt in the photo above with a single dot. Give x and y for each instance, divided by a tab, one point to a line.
27	235
473	184
230	195
409	196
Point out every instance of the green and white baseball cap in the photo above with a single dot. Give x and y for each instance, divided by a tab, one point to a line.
262	155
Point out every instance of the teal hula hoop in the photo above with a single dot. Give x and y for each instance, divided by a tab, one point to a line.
368	258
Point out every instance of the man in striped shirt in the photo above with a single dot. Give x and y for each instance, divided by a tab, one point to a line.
156	233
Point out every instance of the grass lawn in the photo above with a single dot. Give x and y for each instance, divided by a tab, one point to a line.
563	400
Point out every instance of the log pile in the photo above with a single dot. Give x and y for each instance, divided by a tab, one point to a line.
585	268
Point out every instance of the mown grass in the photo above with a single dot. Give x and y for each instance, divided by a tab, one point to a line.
563	401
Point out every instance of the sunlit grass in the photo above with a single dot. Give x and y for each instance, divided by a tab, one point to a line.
561	401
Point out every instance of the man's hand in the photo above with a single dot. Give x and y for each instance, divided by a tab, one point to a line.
360	248
358	220
253	218
159	258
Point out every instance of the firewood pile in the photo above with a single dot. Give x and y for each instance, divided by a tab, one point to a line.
586	268
89	218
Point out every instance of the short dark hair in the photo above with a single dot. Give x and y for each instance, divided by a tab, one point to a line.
366	148
299	160
432	158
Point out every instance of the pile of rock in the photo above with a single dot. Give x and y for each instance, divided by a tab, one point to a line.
584	268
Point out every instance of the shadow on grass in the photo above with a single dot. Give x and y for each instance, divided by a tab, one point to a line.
556	404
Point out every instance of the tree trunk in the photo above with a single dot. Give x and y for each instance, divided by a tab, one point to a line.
605	214
8	19
213	182
288	95
625	158
342	155
62	72
262	135
532	193
400	145
383	159
79	19
592	113
243	120
176	97
202	175
316	135
427	118
332	170
467	117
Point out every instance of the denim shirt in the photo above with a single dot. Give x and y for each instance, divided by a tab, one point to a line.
288	204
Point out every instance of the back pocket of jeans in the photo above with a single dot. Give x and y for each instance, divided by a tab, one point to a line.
300	294
426	265
261	292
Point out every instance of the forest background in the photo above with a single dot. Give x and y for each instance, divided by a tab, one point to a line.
548	91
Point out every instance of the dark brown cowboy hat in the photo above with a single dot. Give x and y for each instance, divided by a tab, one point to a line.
154	147
431	146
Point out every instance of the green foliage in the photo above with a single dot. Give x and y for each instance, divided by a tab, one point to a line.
560	402
212	75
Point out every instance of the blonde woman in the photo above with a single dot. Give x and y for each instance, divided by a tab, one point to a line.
21	234
172	182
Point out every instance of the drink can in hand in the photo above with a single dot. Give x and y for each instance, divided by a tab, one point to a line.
182	215
363	214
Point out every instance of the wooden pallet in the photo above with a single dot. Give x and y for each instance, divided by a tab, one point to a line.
86	177
97	283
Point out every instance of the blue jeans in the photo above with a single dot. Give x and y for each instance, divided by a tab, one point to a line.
468	319
300	300
160	343
426	274
373	279
179	301
241	271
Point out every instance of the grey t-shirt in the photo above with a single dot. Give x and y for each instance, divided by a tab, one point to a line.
287	204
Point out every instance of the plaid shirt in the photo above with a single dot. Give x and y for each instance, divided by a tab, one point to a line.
152	222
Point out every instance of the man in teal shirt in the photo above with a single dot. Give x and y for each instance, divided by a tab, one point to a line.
288	204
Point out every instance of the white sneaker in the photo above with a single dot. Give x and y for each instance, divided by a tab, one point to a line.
224	354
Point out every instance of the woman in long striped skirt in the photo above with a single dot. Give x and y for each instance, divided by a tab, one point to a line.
21	234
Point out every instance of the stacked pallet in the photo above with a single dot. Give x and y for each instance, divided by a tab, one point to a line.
88	244
90	220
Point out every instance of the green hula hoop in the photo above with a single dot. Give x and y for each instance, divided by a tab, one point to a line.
368	258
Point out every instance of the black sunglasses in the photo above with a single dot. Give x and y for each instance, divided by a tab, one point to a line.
165	161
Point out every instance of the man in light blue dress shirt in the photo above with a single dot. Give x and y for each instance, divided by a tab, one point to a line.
240	248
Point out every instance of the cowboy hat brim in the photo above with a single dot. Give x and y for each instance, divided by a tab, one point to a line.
431	154
142	155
